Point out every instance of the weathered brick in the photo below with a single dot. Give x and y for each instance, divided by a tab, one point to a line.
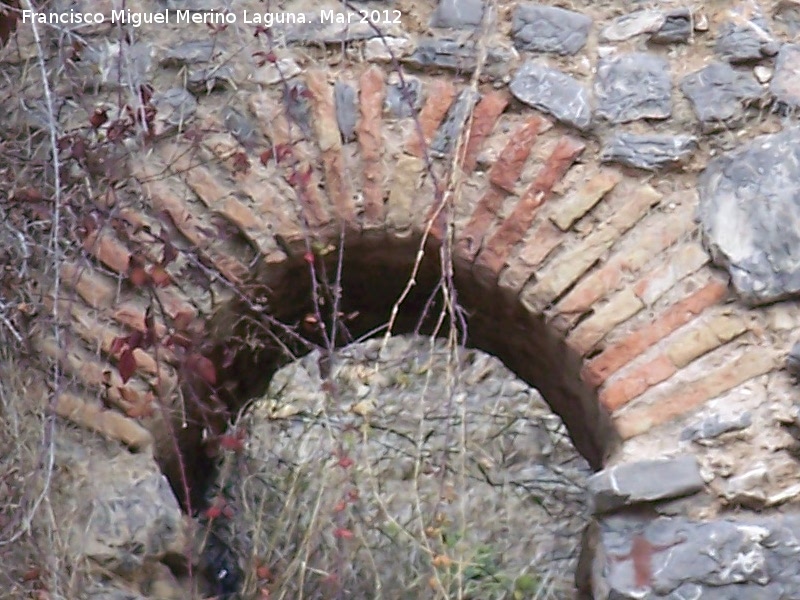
652	238
544	238
471	236
484	117
512	230
704	338
94	288
567	269
574	206
329	139
270	115
506	171
305	181
268	202
727	326
408	171
502	176
370	140
297	168
132	316
100	336
111	424
681	262
241	216
205	185
638	418
618	309
636	382
644	198
163	198
573	264
624	351
440	97
108	250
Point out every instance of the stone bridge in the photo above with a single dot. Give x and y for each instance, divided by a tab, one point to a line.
563	201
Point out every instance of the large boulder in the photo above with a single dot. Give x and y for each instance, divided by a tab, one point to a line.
750	216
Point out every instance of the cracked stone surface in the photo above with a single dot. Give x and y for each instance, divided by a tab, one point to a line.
518	463
749	211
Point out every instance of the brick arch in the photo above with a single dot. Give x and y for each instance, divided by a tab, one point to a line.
587	281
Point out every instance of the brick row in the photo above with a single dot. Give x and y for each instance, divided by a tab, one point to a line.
484	119
652	237
503	175
618	309
337	182
296	163
638	341
577	204
514	227
91	415
570	266
642	416
369	132
404	192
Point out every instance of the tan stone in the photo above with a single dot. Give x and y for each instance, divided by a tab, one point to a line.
617	310
639	418
574	206
408	171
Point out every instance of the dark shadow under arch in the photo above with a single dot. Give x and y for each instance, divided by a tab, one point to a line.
374	273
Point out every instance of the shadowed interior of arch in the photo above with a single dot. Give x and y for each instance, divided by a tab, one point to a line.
374	275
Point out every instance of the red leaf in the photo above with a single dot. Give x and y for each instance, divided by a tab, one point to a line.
213	512
118	343
343	533
345	462
282	151
265	156
135	340
264	572
339	506
241	164
309	257
99	117
202	367
126	365
78	148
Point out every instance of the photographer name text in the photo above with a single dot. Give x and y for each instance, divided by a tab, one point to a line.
186	17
